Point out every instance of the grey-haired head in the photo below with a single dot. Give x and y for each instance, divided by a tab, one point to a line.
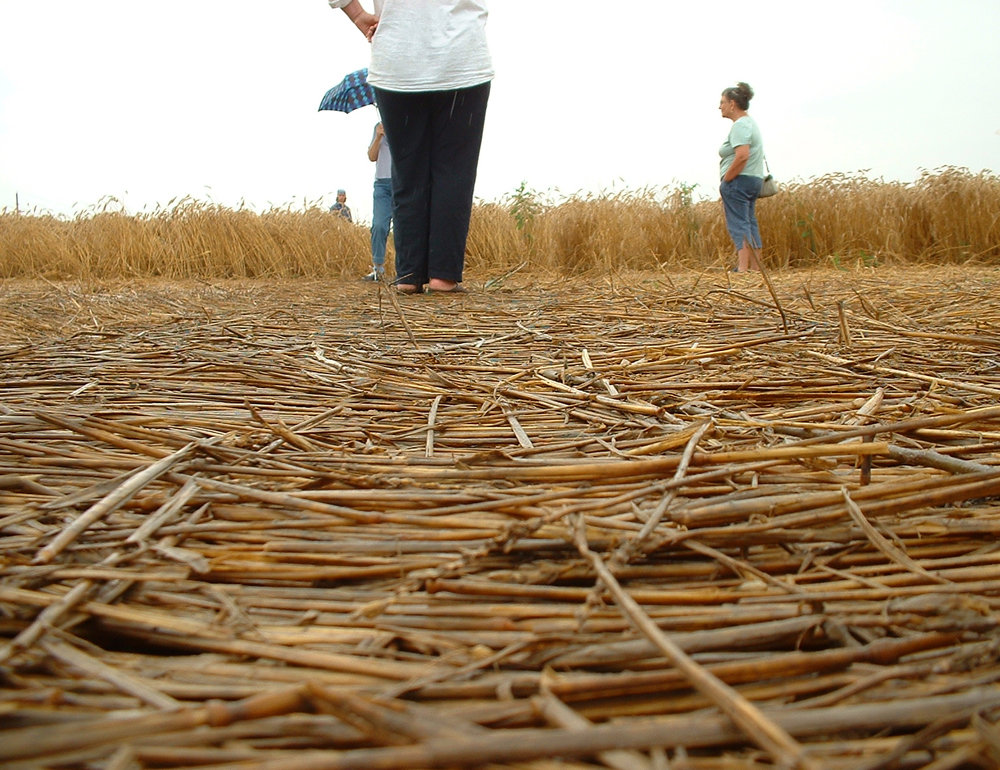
740	94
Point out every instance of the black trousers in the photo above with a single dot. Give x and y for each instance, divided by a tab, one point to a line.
435	138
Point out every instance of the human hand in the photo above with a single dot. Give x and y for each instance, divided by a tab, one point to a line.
379	130
367	23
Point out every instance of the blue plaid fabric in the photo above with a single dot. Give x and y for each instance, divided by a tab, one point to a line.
352	92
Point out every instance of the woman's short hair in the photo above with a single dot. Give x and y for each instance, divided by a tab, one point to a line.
741	93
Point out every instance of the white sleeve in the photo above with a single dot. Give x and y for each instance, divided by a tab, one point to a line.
338	3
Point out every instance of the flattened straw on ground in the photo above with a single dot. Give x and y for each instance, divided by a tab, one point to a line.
300	526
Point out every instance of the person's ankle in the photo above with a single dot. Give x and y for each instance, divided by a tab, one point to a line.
439	284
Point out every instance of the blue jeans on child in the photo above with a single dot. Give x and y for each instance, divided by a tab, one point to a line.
381	221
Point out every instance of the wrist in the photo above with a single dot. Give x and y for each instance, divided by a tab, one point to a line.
353	9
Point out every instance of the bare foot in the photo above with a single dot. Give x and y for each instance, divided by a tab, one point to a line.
407	288
439	284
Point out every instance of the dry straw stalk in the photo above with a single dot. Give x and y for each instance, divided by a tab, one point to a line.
296	525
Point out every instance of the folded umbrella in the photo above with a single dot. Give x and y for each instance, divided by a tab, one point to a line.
351	93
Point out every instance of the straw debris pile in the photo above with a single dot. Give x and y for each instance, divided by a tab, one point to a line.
640	522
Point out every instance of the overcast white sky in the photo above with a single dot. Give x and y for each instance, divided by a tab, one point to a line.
217	99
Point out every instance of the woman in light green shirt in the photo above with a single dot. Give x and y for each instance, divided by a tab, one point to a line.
742	170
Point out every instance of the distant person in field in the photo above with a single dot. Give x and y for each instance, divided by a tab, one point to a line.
378	153
742	171
340	207
431	71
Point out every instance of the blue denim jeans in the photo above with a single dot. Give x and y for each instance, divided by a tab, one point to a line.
381	221
739	201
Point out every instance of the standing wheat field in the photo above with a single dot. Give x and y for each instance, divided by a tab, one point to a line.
632	519
951	216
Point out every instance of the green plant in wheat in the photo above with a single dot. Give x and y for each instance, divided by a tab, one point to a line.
805	226
683	203
525	208
867	260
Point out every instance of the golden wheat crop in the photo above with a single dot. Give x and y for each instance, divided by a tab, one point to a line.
950	215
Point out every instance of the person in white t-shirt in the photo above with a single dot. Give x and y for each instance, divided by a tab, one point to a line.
431	70
381	156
